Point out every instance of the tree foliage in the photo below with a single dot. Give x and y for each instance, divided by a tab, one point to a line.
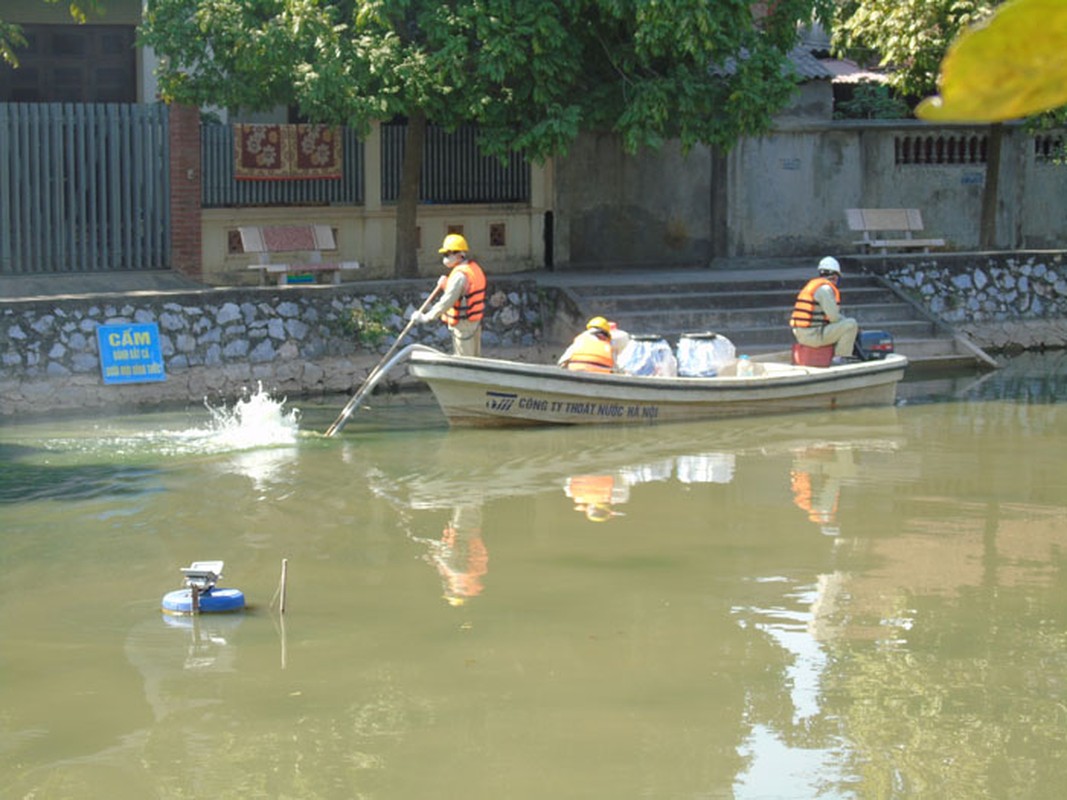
532	73
872	101
907	37
1011	67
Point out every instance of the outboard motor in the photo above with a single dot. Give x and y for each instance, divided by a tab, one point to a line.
873	345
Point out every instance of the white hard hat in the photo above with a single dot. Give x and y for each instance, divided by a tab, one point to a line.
829	264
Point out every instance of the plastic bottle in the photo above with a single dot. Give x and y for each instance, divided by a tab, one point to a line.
744	367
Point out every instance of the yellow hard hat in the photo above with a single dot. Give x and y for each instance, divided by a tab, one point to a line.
454	243
594	512
599	323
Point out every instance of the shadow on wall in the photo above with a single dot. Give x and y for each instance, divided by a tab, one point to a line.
628	235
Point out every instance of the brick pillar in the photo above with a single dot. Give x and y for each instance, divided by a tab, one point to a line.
185	223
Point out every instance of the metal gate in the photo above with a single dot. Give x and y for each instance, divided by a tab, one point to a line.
83	188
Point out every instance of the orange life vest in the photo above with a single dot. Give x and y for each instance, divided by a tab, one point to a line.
591	353
471	305
463	563
807	313
591	489
803	497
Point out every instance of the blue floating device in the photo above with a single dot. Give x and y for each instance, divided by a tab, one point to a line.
216	600
201	577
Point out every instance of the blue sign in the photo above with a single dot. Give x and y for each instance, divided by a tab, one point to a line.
130	353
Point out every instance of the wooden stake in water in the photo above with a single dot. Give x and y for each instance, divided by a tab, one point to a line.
285	570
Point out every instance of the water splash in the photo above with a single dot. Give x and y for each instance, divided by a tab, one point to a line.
80	459
257	420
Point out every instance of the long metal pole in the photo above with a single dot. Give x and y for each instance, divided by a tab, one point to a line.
351	405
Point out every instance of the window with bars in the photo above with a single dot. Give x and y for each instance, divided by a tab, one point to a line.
940	149
1049	149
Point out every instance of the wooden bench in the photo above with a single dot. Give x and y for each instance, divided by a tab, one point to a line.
309	239
874	223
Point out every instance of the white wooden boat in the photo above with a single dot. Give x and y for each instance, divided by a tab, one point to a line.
490	392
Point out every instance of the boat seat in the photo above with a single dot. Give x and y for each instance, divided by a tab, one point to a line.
804	356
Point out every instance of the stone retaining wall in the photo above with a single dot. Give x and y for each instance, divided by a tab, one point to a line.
1002	302
301	341
295	341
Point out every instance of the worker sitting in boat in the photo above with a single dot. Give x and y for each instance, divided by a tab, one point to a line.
462	305
817	319
619	340
591	350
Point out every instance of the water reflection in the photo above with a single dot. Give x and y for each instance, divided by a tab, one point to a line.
424	481
459	555
596	496
708	641
26	482
815	477
599	496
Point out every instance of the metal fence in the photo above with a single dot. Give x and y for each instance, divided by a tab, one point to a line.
86	187
221	190
454	169
83	187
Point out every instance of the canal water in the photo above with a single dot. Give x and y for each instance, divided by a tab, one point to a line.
870	603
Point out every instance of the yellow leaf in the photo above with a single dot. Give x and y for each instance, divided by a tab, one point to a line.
1012	65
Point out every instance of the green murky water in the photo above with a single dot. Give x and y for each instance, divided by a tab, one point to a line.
870	603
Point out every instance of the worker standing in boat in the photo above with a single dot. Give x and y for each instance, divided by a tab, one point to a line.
462	305
591	350
817	320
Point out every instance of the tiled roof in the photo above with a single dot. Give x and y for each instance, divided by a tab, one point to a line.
810	68
845	71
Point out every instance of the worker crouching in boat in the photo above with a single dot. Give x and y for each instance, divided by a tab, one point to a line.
591	350
817	320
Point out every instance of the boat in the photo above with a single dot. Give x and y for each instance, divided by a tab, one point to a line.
488	392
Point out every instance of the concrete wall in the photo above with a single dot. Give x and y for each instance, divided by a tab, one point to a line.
614	209
785	193
113	12
218	343
369	238
788	189
367	233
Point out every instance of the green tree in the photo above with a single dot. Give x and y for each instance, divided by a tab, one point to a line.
1009	68
872	101
910	38
11	38
530	73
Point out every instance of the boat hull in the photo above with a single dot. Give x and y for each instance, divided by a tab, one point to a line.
491	393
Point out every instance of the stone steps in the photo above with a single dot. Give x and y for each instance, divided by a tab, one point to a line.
752	310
